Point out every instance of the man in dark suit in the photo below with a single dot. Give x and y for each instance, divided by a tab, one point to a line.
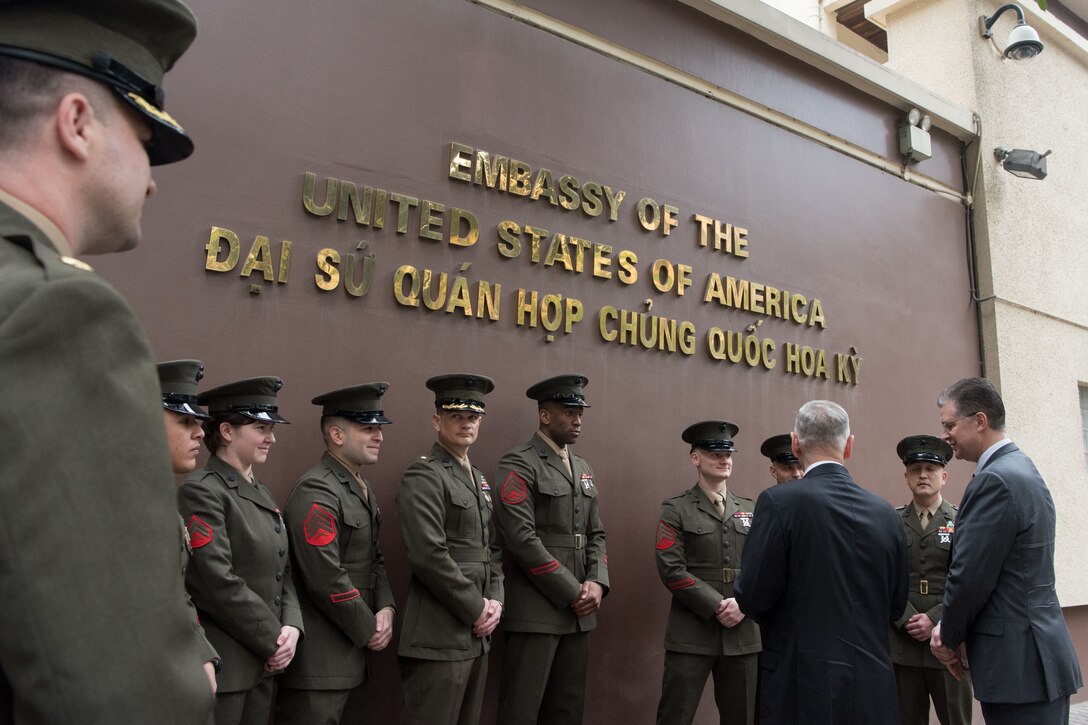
823	573
999	599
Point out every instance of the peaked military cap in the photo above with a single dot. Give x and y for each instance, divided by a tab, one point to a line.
360	403
253	397
178	379
777	448
563	389
711	435
126	44
923	448
460	391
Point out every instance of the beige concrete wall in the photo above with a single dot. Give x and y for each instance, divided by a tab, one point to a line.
1031	236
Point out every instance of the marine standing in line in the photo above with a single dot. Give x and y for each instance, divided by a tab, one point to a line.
929	524
549	524
700	537
347	606
784	465
181	417
455	596
240	576
92	596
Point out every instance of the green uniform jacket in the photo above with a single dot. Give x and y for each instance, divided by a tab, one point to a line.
550	525
239	575
93	623
927	561
698	558
206	648
446	523
339	574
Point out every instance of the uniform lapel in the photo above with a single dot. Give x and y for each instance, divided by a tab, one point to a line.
552	458
910	516
235	480
455	469
703	502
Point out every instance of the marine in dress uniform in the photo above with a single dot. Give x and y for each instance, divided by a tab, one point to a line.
94	625
240	575
700	537
455	593
918	674
550	526
784	465
182	418
347	605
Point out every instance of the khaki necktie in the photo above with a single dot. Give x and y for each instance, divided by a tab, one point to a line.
565	456
924	518
719	504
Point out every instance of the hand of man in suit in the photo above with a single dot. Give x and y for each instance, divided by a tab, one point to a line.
729	614
589	599
952	659
920	626
383	630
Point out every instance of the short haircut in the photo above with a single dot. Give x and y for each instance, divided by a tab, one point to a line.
975	395
212	438
823	424
29	92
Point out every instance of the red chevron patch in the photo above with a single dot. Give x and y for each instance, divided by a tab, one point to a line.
513	489
666	536
319	526
200	534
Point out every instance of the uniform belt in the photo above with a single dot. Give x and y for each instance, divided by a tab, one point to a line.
715	574
364	581
466	556
929	585
564	541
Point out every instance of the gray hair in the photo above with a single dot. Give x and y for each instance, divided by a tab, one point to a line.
823	424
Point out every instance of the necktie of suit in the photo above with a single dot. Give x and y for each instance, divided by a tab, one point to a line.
924	518
719	504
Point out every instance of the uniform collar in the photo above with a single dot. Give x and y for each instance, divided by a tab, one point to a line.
51	231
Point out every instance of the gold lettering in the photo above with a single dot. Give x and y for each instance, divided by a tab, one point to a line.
215	244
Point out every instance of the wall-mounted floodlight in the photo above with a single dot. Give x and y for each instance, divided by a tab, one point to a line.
914	136
1023	42
1022	162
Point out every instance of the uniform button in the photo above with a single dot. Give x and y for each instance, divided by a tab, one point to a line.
278	528
277	600
358	522
557	492
279	576
577	510
726	559
726	544
283	551
698	531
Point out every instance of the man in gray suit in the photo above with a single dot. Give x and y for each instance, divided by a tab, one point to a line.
999	599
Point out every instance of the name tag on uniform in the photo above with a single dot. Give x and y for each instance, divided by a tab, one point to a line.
587	482
745	518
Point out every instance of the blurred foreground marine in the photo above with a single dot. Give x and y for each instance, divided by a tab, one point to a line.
929	523
93	625
700	537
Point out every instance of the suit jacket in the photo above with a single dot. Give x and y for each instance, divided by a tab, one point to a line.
927	566
1000	597
239	575
93	623
339	575
698	555
549	524
456	563
823	573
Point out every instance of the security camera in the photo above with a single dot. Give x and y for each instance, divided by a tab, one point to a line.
1023	41
1022	162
